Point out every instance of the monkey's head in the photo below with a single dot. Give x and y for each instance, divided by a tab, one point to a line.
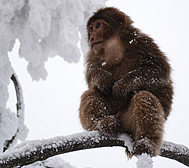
105	24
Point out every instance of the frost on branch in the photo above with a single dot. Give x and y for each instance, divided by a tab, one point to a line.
39	150
175	151
31	151
44	29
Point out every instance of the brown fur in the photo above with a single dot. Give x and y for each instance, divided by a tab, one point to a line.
130	89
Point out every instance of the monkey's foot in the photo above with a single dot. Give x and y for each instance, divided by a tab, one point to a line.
144	146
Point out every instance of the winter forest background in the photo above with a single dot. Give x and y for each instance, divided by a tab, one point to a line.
41	43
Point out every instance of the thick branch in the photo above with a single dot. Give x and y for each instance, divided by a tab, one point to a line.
174	151
32	151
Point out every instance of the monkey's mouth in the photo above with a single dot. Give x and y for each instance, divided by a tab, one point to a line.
96	43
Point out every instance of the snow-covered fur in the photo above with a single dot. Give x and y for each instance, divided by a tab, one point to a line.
129	92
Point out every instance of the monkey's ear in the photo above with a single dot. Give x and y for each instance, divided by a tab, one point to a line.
124	21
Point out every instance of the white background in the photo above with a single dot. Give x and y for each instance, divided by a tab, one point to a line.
51	106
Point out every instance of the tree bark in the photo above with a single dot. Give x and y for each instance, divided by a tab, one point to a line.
38	150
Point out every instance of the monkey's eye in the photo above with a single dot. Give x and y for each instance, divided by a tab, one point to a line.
90	29
98	25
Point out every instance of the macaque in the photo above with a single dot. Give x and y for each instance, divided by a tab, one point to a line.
129	85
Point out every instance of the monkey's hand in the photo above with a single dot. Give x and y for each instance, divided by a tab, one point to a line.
103	81
109	125
120	90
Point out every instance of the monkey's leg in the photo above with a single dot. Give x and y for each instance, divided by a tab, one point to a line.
95	113
144	120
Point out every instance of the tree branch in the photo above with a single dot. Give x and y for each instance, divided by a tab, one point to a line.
20	110
38	150
18	92
176	152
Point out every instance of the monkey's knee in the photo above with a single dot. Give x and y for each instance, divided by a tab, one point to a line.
92	100
92	107
144	110
149	113
149	121
146	98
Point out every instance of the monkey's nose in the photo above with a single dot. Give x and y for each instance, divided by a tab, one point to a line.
91	40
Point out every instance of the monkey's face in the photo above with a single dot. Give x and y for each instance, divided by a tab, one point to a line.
97	32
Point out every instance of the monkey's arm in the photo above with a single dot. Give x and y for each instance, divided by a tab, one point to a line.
146	77
99	119
100	79
109	125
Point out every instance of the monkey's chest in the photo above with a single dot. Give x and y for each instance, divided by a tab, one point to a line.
119	72
123	68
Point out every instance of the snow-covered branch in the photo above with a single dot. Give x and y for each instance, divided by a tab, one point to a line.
38	150
21	131
174	151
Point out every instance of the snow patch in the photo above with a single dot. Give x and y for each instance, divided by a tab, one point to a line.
127	139
55	162
144	161
104	63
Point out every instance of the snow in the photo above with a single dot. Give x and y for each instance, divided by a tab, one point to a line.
104	63
144	161
45	148
128	141
178	148
44	29
60	144
55	162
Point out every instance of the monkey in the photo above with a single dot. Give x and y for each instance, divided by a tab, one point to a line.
129	82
